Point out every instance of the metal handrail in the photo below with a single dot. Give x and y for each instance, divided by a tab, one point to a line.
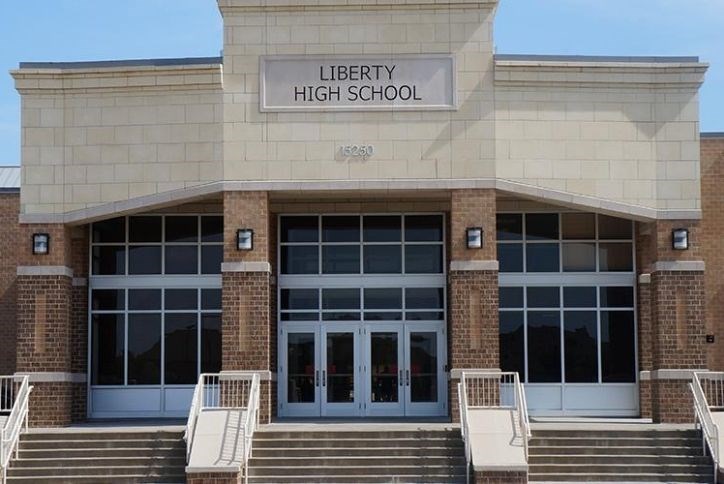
18	418
193	417
492	390
703	417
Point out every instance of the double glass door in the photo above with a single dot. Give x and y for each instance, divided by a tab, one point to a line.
362	369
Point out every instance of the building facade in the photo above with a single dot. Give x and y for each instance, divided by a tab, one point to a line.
358	201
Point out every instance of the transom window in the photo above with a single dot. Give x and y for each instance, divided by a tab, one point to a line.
564	242
157	244
151	336
367	244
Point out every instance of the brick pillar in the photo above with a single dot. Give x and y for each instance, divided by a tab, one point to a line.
9	250
246	292
671	320
45	327
473	288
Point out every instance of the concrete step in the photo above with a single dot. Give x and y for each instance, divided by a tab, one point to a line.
109	452
586	460
632	433
75	435
411	479
94	461
356	461
351	470
354	434
623	469
108	471
356	442
612	441
284	452
589	477
618	450
98	443
98	479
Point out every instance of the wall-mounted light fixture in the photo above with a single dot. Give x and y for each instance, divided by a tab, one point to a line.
244	239
41	244
475	237
680	239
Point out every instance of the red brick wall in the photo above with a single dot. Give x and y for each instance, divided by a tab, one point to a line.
501	477
9	248
712	244
213	478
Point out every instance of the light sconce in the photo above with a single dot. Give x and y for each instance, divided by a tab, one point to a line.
244	239
41	244
680	239
475	237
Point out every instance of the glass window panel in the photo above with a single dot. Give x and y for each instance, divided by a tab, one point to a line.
618	347
615	257
211	299
340	228
144	349
579	297
581	350
341	298
384	365
340	367
382	316
299	229
341	316
423	259
617	297
511	297
543	297
541	226
210	343
340	259
301	259
382	259
180	299
211	258
424	315
423	228
144	229
544	347
108	348
578	226
509	226
423	367
300	299
383	298
144	299
182	259
542	258
383	228
512	342
212	229
182	229
180	354
112	230
108	300
109	260
510	257
300	316
144	259
614	228
424	298
579	257
300	365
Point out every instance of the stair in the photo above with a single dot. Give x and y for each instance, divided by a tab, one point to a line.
117	455
636	454
359	456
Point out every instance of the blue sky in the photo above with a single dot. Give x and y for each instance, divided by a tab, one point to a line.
70	30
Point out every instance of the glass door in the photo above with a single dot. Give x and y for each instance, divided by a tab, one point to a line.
425	385
340	370
384	370
300	371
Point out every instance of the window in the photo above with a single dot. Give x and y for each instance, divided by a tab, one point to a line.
367	244
564	242
157	244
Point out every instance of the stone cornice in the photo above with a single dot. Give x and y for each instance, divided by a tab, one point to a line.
121	78
599	73
232	6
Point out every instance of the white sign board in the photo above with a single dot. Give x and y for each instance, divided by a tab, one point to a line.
352	83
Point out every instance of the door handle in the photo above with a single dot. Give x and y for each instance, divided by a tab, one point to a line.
402	379
324	378
316	378
408	378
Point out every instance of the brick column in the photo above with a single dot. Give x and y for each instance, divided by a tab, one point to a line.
246	292
671	320
473	288
45	327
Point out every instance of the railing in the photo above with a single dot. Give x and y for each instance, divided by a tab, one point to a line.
707	389
14	397
492	390
226	391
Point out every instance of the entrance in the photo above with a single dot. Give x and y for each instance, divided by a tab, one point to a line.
358	369
362	316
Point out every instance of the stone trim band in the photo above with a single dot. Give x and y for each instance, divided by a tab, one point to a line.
669	374
54	377
45	271
245	267
474	265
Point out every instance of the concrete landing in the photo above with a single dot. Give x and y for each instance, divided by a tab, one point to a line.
718	418
355	426
495	440
218	443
